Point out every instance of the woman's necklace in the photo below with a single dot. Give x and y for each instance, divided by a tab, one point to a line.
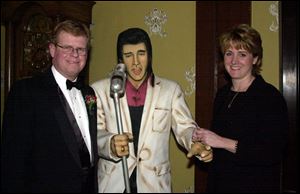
230	103
241	89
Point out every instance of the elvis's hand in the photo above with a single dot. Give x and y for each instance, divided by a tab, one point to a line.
119	144
203	151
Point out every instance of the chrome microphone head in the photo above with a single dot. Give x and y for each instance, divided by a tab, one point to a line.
118	80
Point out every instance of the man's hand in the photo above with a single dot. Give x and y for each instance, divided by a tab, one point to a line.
119	144
204	151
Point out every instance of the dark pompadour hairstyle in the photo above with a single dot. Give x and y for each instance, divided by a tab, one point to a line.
135	36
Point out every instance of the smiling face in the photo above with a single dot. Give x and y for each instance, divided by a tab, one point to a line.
243	45
135	58
68	64
239	62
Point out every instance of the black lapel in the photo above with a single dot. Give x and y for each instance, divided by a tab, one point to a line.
61	115
88	93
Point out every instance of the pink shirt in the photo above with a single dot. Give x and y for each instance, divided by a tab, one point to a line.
136	97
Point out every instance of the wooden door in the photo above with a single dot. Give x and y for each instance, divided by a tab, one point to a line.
290	88
212	18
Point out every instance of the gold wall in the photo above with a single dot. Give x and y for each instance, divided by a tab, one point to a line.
265	20
173	54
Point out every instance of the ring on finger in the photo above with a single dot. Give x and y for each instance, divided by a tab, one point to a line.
122	149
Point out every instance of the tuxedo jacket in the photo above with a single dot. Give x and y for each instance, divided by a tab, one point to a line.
164	109
39	151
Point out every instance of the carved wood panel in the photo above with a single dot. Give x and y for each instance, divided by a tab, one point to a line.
28	26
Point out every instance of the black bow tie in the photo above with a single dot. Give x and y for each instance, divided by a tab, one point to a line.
78	84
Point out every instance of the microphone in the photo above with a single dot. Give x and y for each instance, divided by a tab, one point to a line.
117	90
118	80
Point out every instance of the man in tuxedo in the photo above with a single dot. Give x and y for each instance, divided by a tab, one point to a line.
49	124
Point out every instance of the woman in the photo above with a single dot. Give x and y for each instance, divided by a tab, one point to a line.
249	121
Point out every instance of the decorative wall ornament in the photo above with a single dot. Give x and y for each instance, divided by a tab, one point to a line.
189	189
273	9
155	20
190	77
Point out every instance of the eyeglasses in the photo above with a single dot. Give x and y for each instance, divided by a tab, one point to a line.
70	49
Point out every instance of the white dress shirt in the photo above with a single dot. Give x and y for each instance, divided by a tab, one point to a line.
77	105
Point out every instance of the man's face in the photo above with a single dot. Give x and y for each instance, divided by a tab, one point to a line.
69	54
135	58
